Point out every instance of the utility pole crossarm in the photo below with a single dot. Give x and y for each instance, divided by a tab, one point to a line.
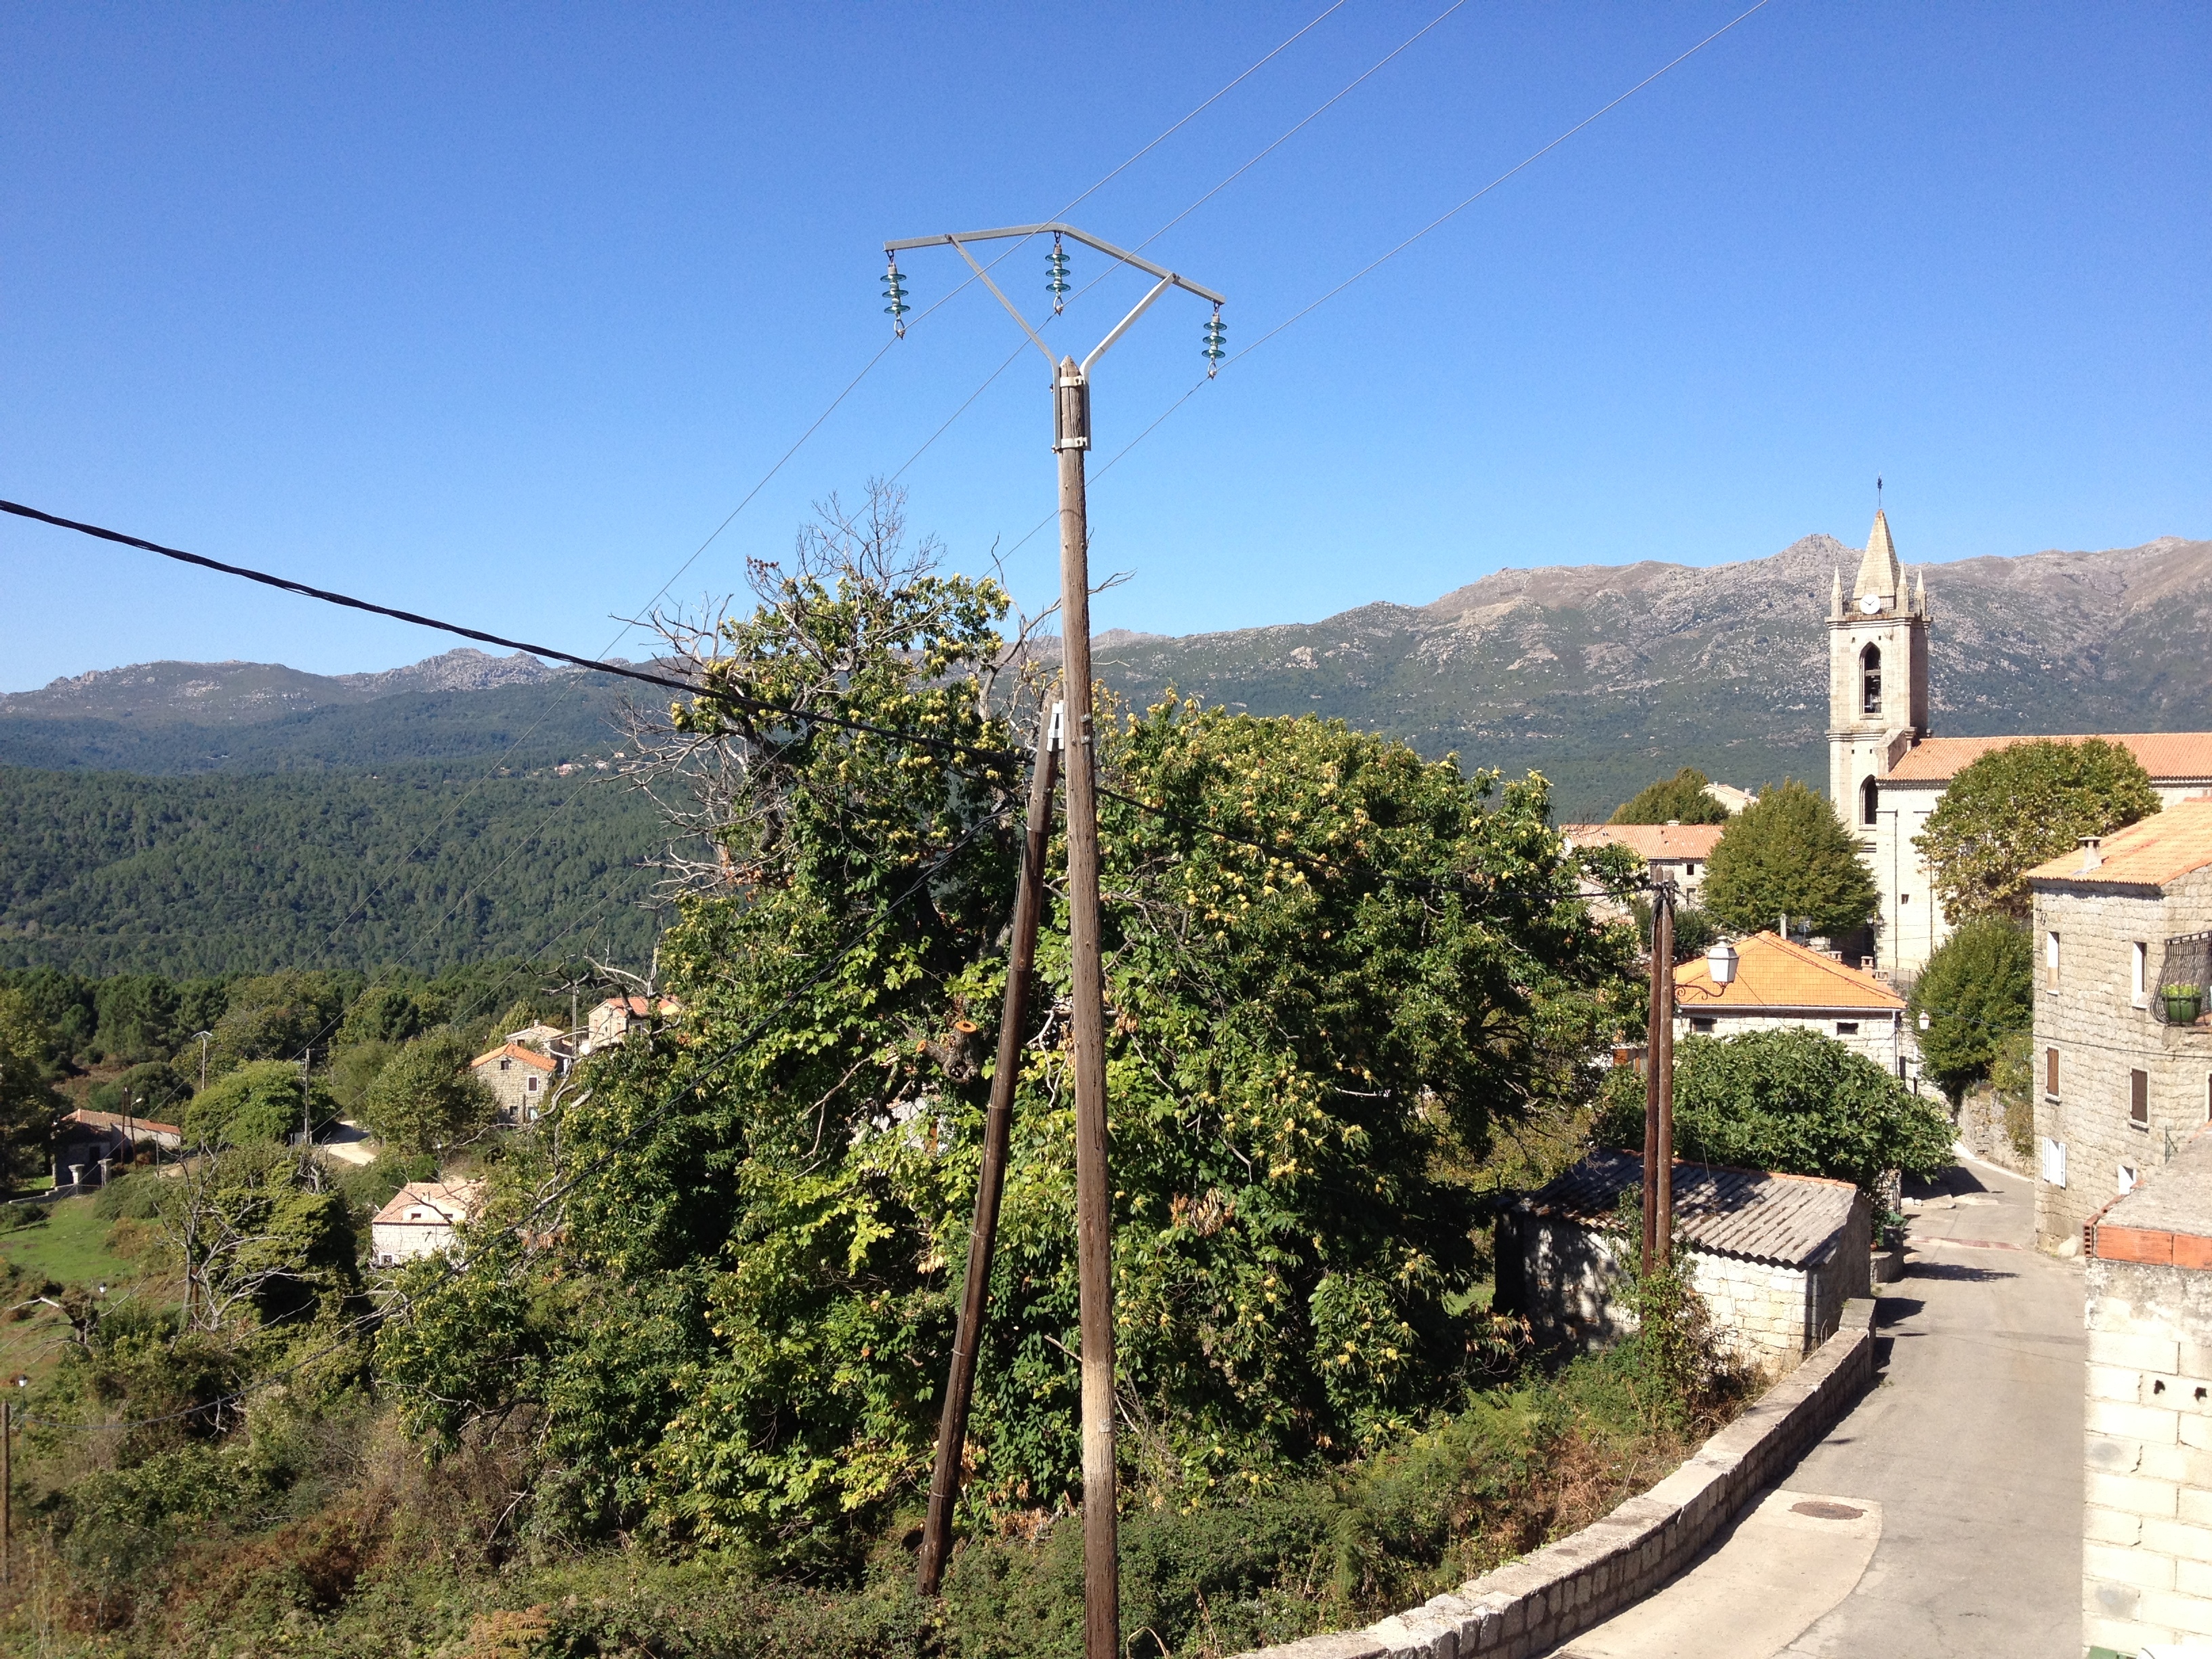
1056	228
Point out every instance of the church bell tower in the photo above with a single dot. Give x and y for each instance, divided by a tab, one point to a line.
1877	677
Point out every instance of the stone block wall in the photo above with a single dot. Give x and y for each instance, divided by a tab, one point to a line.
2088	1012
2147	1514
1530	1606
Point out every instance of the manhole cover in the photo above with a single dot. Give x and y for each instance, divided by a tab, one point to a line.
1821	1509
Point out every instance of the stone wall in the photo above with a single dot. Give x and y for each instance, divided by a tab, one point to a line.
1531	1605
2147	1517
2088	1012
1982	1132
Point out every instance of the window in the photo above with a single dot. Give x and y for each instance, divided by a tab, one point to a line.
2054	1161
1905	898
2139	1099
530	1084
1871	680
1691	868
1701	1022
506	1065
2139	974
1869	802
1847	1028
2050	956
2050	1072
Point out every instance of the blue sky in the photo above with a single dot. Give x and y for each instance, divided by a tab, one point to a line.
497	312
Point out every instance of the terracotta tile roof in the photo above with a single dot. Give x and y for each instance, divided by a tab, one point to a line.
2165	754
2151	853
514	1051
1771	972
1795	1220
1649	841
91	1119
448	1201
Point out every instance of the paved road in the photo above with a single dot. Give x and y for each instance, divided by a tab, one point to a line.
1966	1456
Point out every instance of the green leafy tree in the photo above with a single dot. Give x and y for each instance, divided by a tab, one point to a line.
155	1090
1787	853
1977	988
1679	799
740	1331
258	1104
138	1018
425	1100
267	1240
1790	1100
2018	806
28	1102
279	1017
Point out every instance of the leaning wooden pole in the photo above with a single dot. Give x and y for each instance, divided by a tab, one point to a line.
990	1184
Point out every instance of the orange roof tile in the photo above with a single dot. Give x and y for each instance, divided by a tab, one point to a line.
2156	850
2165	754
1772	973
1649	841
515	1051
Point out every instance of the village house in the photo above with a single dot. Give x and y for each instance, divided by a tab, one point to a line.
1887	773
610	1021
520	1079
2123	932
421	1218
1774	1256
89	1144
1778	983
1672	851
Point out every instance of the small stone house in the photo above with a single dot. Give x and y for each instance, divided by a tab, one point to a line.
1774	1256
610	1021
519	1079
1779	983
1672	851
2147	1485
2124	1072
421	1218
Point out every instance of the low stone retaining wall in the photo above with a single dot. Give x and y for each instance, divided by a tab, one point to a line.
1530	1606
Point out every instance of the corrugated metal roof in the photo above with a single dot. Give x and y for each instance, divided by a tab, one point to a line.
1795	1220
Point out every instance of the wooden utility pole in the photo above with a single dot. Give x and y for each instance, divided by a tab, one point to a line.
997	1129
1094	1215
1659	1085
6	1490
1094	1212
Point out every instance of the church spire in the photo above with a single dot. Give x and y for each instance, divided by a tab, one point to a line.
1880	574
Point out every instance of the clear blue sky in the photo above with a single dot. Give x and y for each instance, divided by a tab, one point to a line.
496	311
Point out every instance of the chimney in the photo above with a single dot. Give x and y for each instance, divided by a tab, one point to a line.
2091	858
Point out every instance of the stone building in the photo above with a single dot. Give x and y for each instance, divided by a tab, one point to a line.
2124	1077
610	1021
520	1079
1780	983
1886	773
421	1218
1774	1256
1672	851
2147	1485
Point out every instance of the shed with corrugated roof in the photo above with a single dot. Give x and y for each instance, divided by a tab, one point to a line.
1774	1256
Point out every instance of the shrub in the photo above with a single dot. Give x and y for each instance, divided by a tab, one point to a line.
258	1104
1789	1100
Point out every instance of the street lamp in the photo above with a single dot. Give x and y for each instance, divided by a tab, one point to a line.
1721	961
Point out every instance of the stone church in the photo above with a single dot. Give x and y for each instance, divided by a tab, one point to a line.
1887	769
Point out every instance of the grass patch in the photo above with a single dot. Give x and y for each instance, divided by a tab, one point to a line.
72	1249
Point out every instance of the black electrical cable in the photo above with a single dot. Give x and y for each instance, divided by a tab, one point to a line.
751	705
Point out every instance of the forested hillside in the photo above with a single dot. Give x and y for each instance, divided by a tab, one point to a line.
429	865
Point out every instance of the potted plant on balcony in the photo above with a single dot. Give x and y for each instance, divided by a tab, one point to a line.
2183	1003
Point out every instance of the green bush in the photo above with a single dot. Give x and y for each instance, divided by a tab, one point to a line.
258	1104
135	1197
1977	988
1789	1100
425	1099
155	1090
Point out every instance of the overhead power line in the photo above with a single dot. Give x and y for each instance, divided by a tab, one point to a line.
751	705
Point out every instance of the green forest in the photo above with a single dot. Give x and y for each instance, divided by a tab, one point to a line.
429	864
